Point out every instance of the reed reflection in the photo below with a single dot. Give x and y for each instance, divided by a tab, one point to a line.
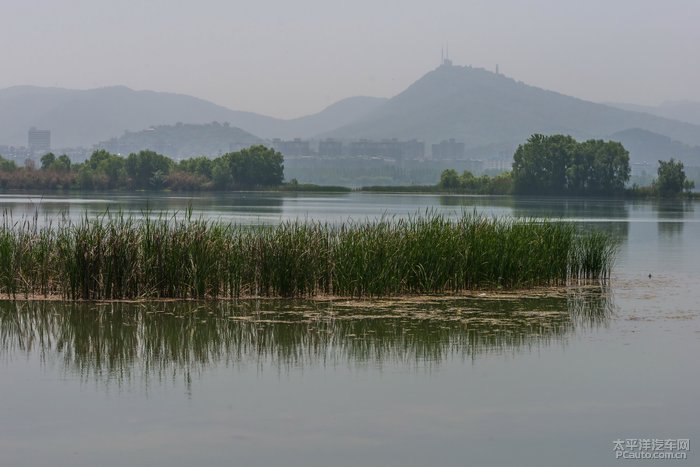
121	342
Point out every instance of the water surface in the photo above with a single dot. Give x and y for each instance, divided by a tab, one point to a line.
492	380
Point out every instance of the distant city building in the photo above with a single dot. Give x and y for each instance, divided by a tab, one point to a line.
448	149
296	147
413	149
502	165
388	148
363	147
39	140
330	147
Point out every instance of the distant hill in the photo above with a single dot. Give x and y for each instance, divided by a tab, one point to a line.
83	118
490	112
183	140
646	146
482	108
334	116
684	111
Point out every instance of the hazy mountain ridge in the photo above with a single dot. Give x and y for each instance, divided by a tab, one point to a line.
484	108
82	118
646	146
684	111
85	117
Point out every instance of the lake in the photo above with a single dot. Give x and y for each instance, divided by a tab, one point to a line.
493	380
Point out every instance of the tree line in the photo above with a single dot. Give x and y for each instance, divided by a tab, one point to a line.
560	165
251	168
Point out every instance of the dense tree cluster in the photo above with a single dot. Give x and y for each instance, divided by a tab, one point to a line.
450	180
558	164
671	180
250	168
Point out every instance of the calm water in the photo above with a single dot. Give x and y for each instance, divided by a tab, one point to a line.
494	380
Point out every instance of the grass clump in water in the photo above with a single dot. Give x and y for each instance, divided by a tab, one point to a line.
116	257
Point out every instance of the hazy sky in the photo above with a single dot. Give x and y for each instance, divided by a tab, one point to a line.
294	57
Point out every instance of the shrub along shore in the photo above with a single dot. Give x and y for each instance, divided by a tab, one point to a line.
115	257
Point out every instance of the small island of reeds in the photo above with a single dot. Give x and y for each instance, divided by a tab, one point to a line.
116	257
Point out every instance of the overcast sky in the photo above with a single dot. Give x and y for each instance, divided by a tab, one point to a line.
293	57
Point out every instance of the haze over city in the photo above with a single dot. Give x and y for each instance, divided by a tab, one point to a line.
288	59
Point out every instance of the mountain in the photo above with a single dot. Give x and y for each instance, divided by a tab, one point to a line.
183	140
85	117
490	112
336	115
647	146
82	118
684	111
483	108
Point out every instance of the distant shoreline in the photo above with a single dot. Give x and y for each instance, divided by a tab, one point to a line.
381	189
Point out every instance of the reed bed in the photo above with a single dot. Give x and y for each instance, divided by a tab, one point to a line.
118	257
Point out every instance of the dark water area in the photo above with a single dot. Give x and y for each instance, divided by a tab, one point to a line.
493	379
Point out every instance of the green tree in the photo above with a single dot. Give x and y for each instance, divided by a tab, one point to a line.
501	184
7	165
221	174
47	161
102	171
540	165
260	166
449	180
599	168
62	164
146	168
197	165
671	179
558	164
256	166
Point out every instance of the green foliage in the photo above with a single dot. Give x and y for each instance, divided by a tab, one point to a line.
255	167
467	183
7	165
59	164
62	164
147	169
197	165
47	160
559	165
116	257
671	180
449	180
102	171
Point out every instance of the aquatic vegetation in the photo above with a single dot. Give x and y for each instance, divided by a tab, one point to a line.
117	257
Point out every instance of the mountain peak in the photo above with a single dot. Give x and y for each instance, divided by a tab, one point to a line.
483	109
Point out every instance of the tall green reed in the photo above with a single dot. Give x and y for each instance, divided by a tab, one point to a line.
175	256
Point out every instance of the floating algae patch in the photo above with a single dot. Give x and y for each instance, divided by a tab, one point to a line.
119	342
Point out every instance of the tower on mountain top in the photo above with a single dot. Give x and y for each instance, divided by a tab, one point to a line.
445	56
